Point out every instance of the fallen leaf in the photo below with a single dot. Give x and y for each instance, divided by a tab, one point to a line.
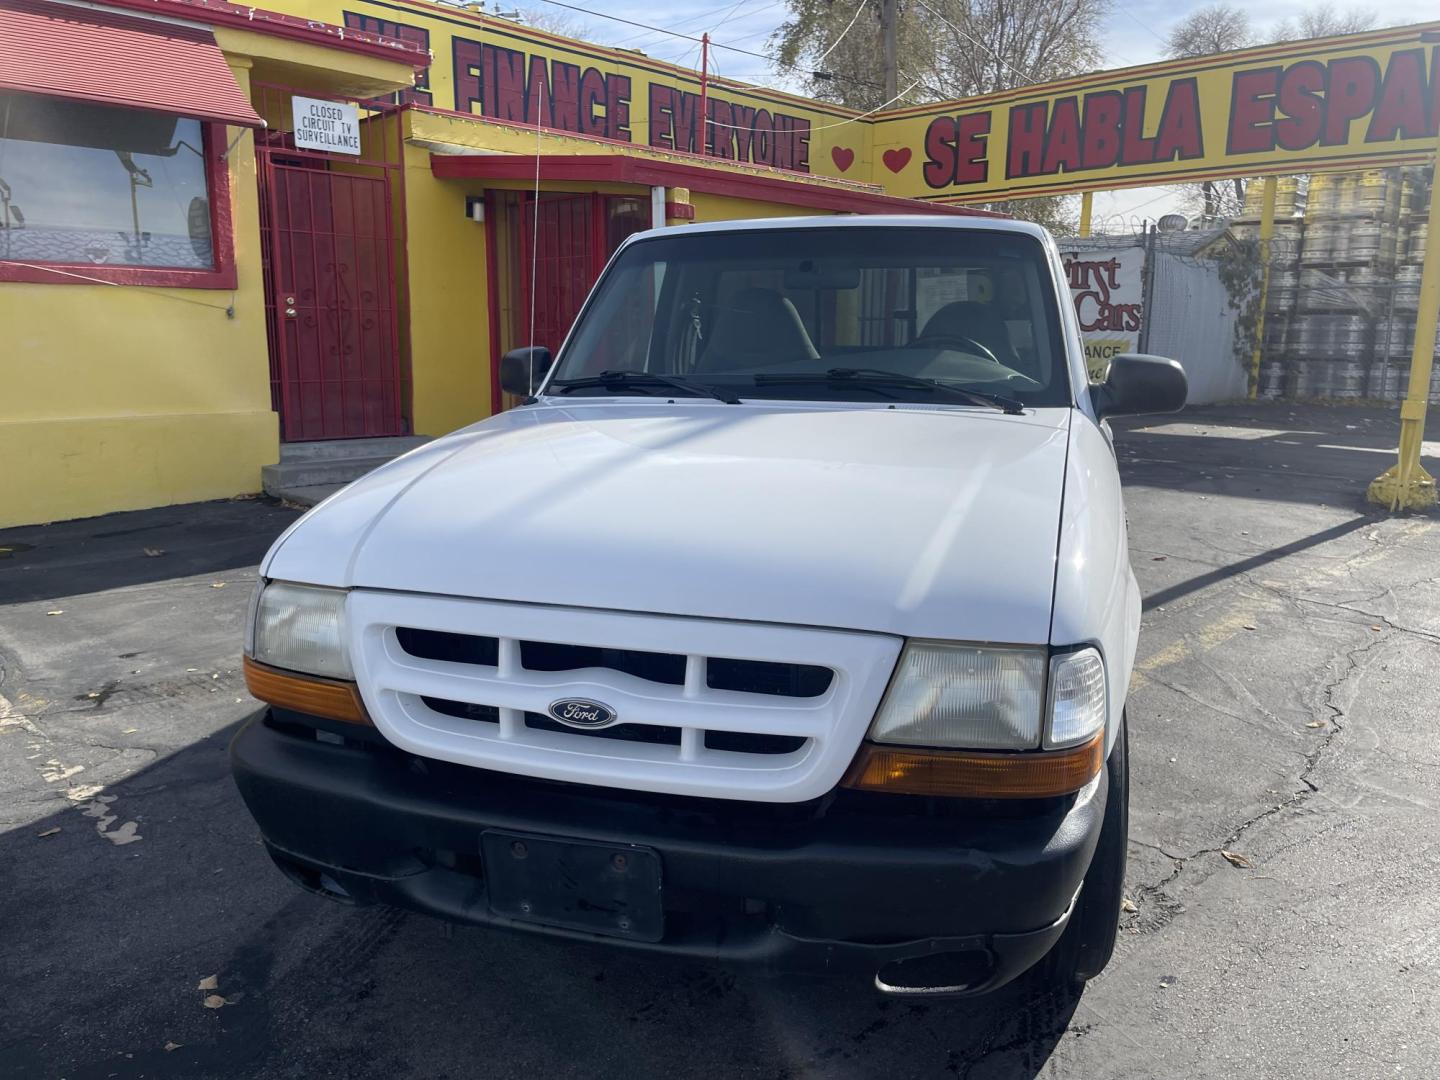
171	1046
1250	626
49	832
58	612
130	731
154	553
1375	628
217	584
93	694
1234	858
214	1001
1316	723
1158	558
210	982
1128	905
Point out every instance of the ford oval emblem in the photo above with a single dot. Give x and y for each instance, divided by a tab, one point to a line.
582	713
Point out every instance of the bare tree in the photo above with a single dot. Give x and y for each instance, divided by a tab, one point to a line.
1217	28
945	49
555	21
1323	20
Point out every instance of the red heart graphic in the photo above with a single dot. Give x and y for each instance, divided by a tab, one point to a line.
842	157
895	160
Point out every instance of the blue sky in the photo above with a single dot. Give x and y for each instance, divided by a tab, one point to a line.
1133	35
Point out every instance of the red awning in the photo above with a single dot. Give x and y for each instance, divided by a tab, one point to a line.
60	50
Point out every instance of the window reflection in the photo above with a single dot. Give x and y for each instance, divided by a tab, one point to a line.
103	186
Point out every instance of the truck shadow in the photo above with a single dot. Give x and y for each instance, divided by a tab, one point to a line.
111	928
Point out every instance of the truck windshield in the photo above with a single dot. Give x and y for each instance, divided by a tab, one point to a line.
878	314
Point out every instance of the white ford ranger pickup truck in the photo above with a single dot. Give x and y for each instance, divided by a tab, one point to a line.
788	623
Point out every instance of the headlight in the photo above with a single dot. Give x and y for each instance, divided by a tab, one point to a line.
301	628
1077	698
965	696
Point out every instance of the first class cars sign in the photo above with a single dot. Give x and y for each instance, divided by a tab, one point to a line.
1107	286
326	125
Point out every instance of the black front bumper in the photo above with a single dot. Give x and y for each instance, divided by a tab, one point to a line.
849	883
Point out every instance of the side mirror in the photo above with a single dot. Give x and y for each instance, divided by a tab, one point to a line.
524	369
1140	384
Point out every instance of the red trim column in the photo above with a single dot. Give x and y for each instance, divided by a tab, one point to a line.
678	210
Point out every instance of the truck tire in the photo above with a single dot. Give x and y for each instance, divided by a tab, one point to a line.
1089	940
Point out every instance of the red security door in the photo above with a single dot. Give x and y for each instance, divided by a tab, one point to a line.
571	241
562	254
335	351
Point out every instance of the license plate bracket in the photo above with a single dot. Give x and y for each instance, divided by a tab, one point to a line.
610	889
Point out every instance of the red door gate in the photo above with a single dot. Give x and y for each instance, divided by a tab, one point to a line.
569	244
330	293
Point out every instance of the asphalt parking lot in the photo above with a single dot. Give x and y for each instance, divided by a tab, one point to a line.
1285	866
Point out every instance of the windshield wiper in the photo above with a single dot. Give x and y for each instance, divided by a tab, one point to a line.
616	380
877	377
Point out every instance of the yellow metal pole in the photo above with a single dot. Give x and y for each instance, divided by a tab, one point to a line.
1267	233
1405	485
1087	204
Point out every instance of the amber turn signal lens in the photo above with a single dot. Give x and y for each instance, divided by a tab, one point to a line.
307	694
968	775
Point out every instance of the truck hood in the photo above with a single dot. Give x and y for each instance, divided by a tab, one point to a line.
915	520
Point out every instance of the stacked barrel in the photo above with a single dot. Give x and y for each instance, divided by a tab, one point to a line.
1345	277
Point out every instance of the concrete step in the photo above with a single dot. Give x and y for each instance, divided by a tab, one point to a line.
326	449
322	471
308	495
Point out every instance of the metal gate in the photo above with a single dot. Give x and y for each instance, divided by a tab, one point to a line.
329	255
564	244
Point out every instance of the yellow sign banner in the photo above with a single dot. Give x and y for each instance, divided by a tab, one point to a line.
1353	102
509	73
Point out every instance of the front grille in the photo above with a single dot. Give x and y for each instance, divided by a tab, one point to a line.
764	677
722	673
463	710
457	648
666	668
640	733
703	707
733	742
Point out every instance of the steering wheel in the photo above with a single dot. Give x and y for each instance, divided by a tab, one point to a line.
969	344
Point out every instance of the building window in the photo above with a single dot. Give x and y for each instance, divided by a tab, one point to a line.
99	186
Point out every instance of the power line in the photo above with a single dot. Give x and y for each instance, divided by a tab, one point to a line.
823	76
974	41
848	27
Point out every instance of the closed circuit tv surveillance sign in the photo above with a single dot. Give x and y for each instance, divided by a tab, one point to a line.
326	125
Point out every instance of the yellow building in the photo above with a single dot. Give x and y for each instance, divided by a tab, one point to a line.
242	247
229	234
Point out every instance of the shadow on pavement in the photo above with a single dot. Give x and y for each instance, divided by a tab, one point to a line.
106	943
46	562
1264	451
1254	562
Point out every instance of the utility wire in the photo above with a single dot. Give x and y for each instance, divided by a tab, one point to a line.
968	37
823	76
848	27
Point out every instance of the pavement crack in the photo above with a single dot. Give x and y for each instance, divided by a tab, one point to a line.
1154	892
